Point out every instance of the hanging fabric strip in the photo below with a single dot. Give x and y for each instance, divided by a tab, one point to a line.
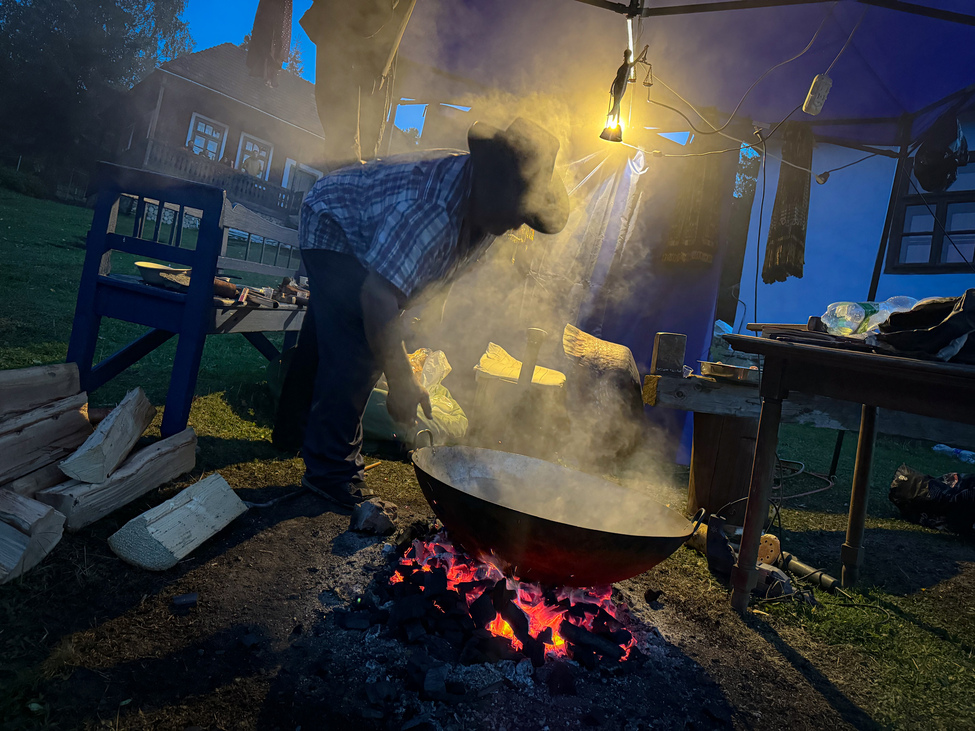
786	249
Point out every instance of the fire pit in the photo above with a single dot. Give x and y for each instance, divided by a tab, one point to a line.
544	523
435	590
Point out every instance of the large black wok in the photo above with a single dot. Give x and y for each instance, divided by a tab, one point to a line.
545	523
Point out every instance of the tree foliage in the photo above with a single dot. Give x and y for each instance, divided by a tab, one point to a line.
64	63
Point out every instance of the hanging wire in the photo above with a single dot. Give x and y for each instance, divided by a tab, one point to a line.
852	33
715	130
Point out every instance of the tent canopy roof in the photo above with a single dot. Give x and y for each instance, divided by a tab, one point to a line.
898	63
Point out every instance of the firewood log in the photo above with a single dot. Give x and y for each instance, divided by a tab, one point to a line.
28	531
83	503
23	389
162	536
44	435
112	440
32	482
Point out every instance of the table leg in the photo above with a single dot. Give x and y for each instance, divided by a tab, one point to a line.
852	551
745	573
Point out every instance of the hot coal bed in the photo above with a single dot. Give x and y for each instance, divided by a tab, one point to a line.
433	592
419	636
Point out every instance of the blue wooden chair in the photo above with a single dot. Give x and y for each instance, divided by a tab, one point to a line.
181	208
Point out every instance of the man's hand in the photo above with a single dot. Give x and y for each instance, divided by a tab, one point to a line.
402	400
380	314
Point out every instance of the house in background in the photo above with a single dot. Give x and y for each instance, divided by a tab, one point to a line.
203	117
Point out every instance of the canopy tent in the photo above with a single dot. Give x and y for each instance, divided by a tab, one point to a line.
888	59
904	58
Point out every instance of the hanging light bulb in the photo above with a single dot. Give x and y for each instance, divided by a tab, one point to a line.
614	125
613	132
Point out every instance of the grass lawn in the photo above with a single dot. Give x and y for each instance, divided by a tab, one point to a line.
902	646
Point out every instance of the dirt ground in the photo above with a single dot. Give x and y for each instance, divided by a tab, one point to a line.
93	643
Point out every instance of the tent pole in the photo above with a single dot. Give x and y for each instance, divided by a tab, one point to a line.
895	191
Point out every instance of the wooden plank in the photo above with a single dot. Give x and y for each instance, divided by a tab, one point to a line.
29	530
256	319
112	440
83	503
47	476
25	389
162	536
36	438
711	396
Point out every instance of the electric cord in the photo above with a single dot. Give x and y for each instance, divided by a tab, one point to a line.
716	130
742	144
848	40
934	215
849	164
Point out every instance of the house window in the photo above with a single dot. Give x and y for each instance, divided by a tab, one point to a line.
254	156
299	177
934	233
206	137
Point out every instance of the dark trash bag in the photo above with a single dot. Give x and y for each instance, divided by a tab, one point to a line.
938	328
946	502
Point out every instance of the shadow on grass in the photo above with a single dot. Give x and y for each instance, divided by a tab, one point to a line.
931	558
83	585
215	453
850	712
252	401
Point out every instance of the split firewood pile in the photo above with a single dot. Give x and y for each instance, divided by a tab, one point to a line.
59	471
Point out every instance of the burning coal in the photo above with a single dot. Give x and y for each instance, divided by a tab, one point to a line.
533	621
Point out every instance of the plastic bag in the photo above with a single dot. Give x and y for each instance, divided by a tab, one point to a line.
449	422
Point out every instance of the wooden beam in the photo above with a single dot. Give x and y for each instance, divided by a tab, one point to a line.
83	503
34	439
28	532
711	396
162	536
112	440
24	389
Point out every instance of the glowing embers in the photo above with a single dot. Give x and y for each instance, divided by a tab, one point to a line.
504	618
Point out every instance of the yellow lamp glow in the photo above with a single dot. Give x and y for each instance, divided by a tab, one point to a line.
614	129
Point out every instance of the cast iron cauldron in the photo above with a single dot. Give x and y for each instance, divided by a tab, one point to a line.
545	523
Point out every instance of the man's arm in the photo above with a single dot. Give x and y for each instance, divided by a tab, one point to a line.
380	313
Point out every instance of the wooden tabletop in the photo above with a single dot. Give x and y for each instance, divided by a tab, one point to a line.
944	390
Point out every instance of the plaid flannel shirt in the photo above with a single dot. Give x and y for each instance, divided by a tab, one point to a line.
400	217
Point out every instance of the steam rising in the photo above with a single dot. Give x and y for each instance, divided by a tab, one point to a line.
536	60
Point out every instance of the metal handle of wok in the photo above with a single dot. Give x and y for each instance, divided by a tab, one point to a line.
416	439
698	519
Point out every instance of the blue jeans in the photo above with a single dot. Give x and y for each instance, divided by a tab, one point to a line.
346	373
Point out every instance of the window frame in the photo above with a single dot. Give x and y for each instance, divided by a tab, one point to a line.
291	165
938	203
240	151
215	123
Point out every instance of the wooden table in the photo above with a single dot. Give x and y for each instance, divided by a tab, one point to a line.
900	384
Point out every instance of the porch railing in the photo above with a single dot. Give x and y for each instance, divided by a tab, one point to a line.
247	190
